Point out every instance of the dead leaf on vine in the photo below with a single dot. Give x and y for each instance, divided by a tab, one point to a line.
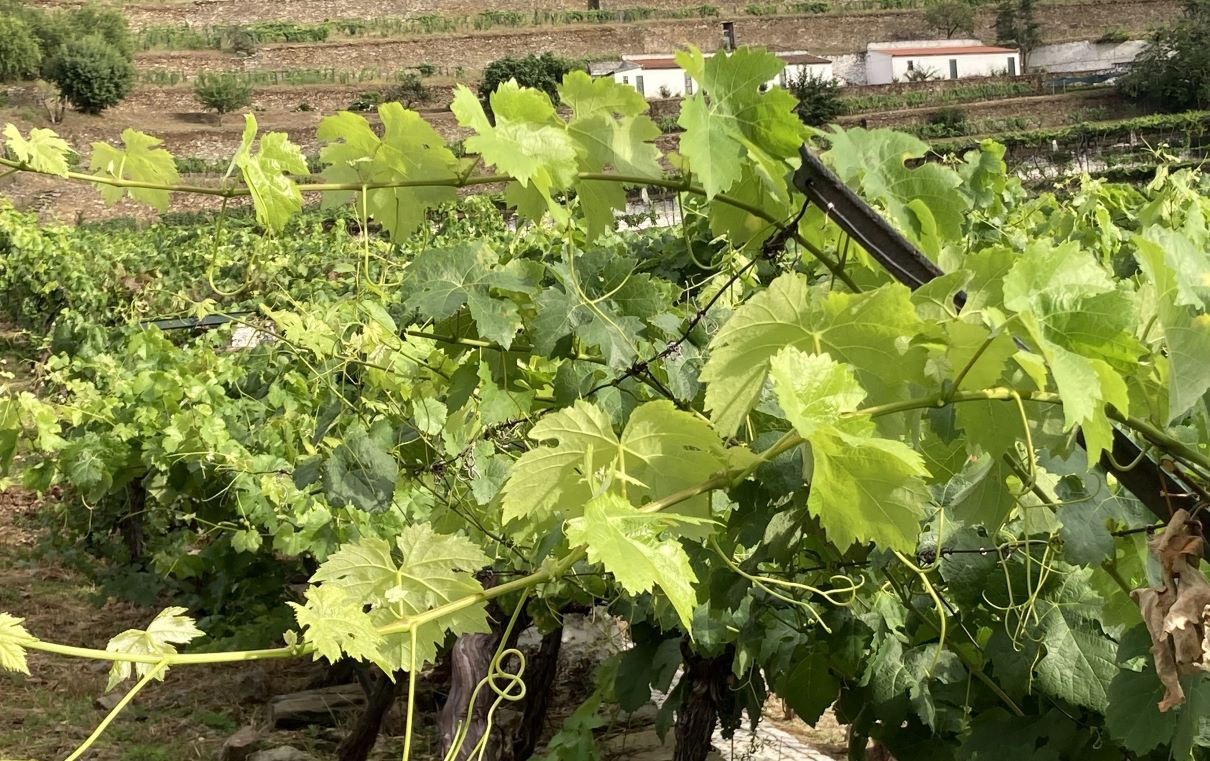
1176	613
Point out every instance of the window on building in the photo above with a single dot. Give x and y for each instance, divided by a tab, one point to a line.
638	84
953	68
688	84
1012	66
911	65
625	80
781	80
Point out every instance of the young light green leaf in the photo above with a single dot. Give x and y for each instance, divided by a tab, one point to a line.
627	542
171	627
812	389
661	451
141	161
335	623
410	149
1083	325
925	201
44	151
528	142
267	174
865	488
863	330
436	569
1172	263
729	119
13	636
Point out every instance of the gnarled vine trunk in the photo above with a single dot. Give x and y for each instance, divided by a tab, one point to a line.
705	685
380	696
539	688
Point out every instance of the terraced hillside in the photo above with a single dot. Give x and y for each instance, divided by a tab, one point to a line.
295	83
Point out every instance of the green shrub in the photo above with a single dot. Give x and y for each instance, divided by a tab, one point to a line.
543	72
1115	34
426	69
92	74
222	93
812	7
1174	72
409	90
20	53
819	99
761	9
946	122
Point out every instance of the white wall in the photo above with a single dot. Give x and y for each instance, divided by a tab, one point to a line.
968	65
849	68
1085	56
653	79
675	80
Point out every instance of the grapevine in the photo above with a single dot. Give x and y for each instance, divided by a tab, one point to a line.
773	456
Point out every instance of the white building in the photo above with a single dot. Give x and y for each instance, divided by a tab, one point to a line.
660	76
888	62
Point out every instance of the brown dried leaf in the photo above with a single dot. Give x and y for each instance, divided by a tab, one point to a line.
1154	604
1175	543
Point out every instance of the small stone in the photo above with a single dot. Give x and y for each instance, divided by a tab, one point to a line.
240	745
253	686
323	706
281	753
108	701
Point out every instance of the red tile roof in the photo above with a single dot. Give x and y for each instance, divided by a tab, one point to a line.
953	50
666	62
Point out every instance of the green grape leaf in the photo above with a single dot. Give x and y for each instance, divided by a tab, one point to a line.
662	450
925	202
627	543
267	174
1091	510
170	627
1083	325
334	622
435	570
44	151
986	499
1170	261
729	120
409	149
442	281
365	570
809	688
863	330
12	637
1079	661
610	130
812	389
863	487
142	161
360	473
867	489
528	142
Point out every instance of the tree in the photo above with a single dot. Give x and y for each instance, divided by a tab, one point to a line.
1017	25
951	17
222	93
543	72
819	99
1174	73
20	54
92	74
